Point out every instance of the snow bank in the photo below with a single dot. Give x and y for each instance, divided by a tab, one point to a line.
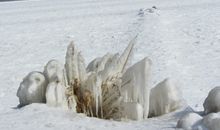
164	98
212	102
32	89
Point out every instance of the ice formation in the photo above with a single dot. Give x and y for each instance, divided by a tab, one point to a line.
165	98
190	121
212	121
106	88
135	85
133	110
55	92
74	66
212	103
32	89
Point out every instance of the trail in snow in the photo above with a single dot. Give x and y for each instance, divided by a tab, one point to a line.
184	46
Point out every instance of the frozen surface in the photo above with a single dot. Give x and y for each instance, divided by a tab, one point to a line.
182	38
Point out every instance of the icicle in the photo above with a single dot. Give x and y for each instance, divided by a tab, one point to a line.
93	84
65	79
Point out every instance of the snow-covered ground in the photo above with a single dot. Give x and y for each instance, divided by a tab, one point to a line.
181	37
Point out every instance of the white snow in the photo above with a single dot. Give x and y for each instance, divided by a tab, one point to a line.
180	37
